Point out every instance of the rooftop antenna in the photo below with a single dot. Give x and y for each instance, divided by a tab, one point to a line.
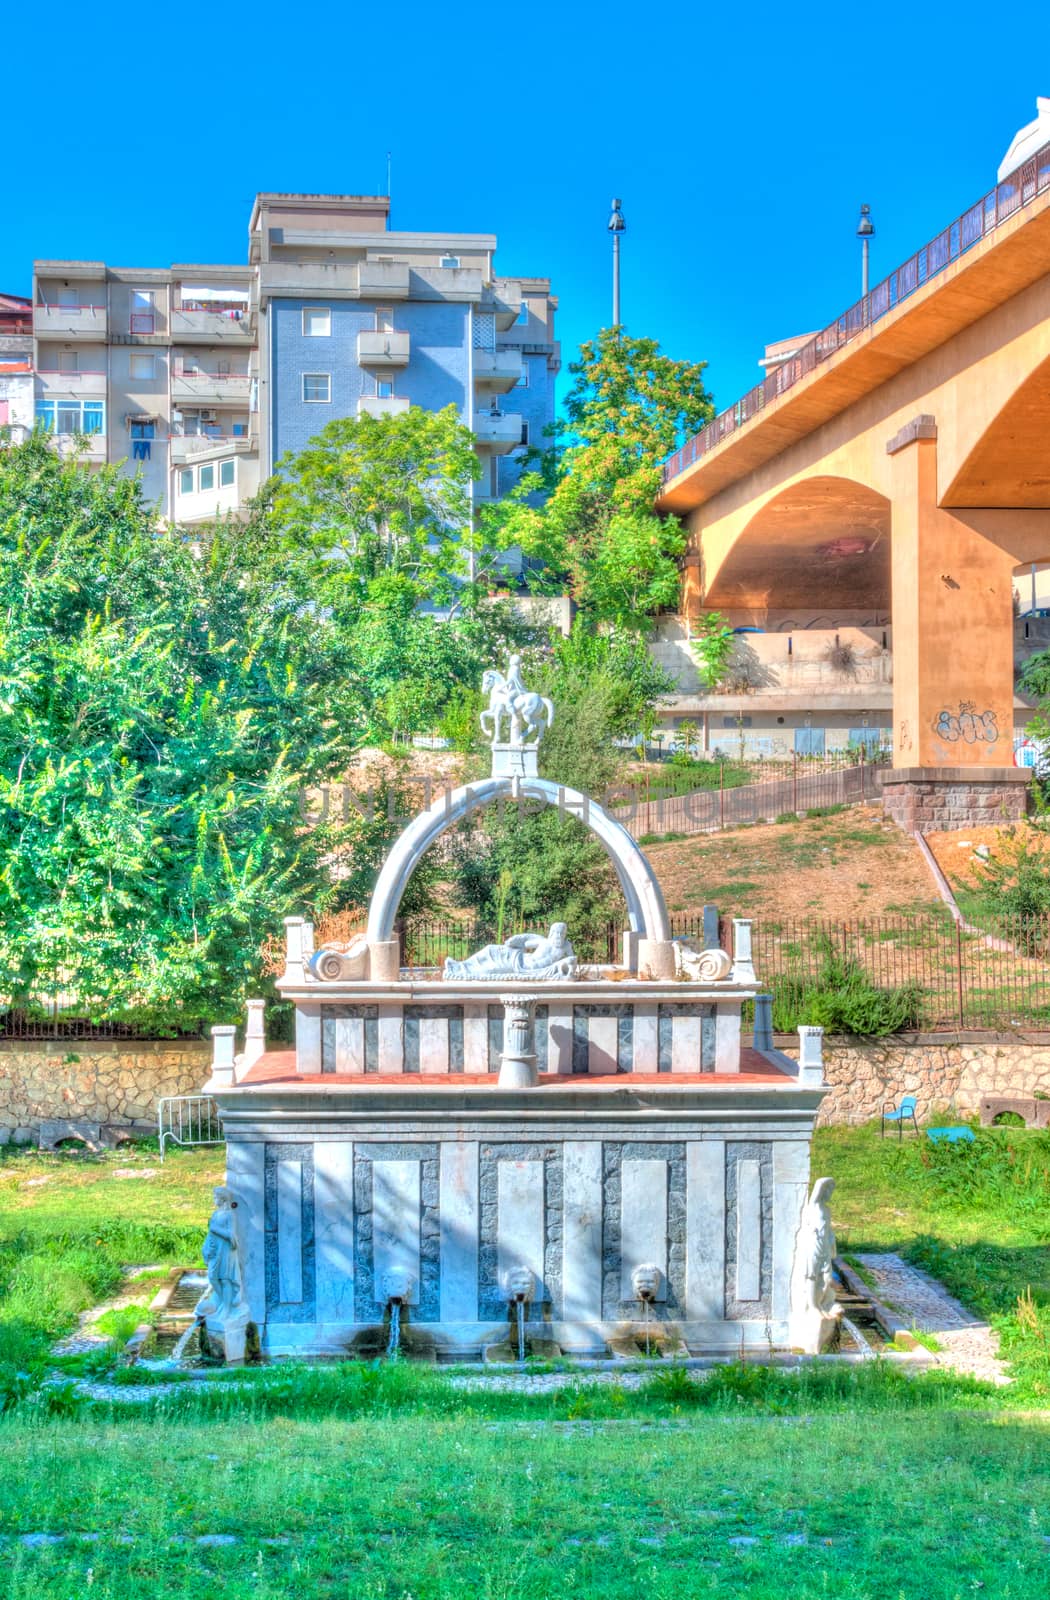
388	174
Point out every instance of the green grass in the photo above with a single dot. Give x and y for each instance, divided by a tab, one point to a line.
418	1508
383	1480
977	1216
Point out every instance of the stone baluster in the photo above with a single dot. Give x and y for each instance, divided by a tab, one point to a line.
763	1035
810	1056
743	964
223	1039
518	1068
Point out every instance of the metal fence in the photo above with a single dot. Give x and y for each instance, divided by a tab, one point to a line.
56	1017
187	1119
950	978
790	788
1017	190
955	979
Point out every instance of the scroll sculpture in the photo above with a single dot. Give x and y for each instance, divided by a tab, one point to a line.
701	966
535	957
815	1312
222	1307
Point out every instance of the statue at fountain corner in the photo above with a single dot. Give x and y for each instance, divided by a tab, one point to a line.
223	1307
815	1312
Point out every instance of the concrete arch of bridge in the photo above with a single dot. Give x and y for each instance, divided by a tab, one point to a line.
825	536
1009	464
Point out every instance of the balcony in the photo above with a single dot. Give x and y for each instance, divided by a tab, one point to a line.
70	385
383	280
337	280
373	405
212	388
91	447
188	447
498	433
69	322
497	370
390	349
190	326
503	299
446	283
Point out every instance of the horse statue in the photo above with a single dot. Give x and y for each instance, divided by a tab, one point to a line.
527	714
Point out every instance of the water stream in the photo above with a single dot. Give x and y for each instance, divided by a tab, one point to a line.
862	1344
184	1338
393	1348
645	1324
519	1306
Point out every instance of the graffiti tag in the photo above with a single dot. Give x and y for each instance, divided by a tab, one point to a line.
970	725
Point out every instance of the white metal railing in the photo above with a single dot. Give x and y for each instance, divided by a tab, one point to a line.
188	1119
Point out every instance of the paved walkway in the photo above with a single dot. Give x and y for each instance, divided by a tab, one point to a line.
967	1343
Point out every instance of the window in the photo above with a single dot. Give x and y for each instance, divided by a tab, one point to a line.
450	262
523	315
384	388
227	472
317	322
736	722
69	298
525	434
240	430
141	440
317	388
142	318
523	381
67	361
207	477
140	366
70	416
186	481
384	319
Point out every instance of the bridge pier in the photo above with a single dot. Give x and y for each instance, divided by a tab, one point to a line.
953	674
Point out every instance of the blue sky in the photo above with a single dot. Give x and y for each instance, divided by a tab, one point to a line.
742	139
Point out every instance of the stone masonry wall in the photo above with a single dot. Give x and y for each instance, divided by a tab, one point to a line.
922	800
943	1073
106	1081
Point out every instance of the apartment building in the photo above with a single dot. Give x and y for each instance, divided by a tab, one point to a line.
16	366
355	317
155	368
201	377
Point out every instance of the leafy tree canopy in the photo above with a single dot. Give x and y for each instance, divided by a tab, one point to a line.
371	523
159	715
629	407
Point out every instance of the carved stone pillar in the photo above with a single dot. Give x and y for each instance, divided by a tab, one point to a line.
517	1068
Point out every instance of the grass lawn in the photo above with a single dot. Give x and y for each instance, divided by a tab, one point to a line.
417	1509
351	1480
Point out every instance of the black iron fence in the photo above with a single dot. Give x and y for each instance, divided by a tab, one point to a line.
54	1018
922	973
783	791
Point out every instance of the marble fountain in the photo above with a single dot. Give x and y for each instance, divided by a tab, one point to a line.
521	1153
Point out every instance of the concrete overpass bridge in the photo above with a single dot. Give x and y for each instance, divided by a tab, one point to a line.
900	460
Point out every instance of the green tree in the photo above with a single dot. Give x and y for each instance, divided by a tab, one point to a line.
372	524
160	714
713	648
629	407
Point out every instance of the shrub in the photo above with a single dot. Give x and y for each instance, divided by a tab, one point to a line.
842	998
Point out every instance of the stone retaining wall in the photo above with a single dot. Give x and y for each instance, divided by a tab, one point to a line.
942	1071
115	1081
944	799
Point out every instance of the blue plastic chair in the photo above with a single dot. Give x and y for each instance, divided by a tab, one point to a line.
899	1114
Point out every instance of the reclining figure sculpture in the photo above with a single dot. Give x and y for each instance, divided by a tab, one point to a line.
534	957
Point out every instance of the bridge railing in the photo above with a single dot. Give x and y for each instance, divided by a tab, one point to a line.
1017	190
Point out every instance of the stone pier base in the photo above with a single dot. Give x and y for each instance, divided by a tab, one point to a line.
944	799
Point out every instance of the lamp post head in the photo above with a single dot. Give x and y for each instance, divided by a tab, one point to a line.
616	221
865	227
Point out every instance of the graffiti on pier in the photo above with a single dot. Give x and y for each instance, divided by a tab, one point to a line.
968	724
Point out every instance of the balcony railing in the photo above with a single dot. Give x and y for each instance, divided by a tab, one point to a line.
1017	190
210	387
210	326
54	322
53	382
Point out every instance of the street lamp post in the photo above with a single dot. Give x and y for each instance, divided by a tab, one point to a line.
617	225
865	233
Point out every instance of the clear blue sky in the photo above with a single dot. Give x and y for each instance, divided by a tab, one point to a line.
742	138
